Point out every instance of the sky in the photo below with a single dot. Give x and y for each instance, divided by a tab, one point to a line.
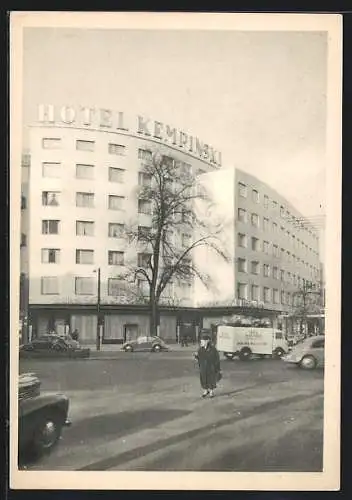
258	97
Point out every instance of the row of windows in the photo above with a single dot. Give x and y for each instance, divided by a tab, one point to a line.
242	241
269	271
243	216
267	203
266	294
87	200
86	256
115	230
116	287
82	145
83	171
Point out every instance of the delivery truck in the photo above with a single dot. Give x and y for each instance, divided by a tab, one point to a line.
247	341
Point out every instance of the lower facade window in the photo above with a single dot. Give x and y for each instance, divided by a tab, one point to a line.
84	286
49	285
50	255
116	258
266	294
242	290
116	287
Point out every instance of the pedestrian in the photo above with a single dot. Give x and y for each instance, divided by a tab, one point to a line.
209	366
75	335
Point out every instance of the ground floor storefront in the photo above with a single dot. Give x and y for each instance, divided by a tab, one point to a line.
115	325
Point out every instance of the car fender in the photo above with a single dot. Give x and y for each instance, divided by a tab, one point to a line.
58	402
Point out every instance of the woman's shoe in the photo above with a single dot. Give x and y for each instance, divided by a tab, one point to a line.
211	394
205	394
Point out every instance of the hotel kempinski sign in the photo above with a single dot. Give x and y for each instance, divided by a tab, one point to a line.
117	121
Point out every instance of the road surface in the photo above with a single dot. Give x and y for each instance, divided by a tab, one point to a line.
143	411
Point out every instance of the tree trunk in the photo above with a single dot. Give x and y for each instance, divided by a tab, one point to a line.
153	318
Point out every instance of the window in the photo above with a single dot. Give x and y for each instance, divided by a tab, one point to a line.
255	292
116	174
288	298
242	215
282	211
275	251
116	149
143	259
143	287
23	240
255	267
144	207
275	206
266	201
144	233
115	202
186	240
242	190
266	224
84	228
318	343
51	143
275	296
116	287
255	196
84	286
85	200
255	220
266	270
266	295
51	169
274	227
288	256
288	277
116	258
283	298
49	285
242	265
242	240
50	226
116	230
282	275
85	145
242	290
23	203
144	154
255	244
84	171
50	198
282	253
144	179
288	234
50	255
275	273
266	247
84	256
294	279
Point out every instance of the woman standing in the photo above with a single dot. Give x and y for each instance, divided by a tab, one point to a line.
209	366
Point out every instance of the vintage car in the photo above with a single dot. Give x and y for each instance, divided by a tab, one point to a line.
52	345
308	354
154	344
41	417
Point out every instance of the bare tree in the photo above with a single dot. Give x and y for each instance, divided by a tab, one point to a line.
305	299
168	195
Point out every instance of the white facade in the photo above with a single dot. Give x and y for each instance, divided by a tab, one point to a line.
273	249
56	170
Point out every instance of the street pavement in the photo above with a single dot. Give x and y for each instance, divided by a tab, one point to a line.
143	411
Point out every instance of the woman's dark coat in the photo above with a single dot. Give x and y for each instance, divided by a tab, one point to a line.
209	365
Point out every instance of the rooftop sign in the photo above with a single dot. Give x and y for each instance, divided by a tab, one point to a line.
107	119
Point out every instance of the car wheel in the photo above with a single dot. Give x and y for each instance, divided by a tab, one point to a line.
156	348
48	433
308	363
245	354
279	352
229	355
128	348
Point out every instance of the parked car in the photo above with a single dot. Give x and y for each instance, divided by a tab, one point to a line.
41	416
54	345
155	344
308	354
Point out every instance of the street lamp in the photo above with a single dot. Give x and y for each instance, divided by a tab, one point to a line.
98	310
